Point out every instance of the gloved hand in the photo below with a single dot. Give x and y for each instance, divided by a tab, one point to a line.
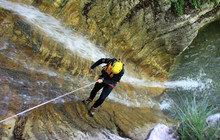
100	81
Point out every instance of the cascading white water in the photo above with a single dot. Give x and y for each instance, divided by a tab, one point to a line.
55	29
187	83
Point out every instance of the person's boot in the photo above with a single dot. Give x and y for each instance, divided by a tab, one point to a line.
91	111
87	101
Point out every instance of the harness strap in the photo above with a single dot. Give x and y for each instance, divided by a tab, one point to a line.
107	69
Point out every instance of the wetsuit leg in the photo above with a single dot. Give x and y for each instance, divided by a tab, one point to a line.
94	91
105	92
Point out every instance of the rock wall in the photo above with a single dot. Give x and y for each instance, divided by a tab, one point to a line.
145	34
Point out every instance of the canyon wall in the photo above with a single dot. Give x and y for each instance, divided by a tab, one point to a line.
145	34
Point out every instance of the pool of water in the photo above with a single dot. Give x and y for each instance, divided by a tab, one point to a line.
199	62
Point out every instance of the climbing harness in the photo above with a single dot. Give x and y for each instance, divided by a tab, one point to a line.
108	70
46	102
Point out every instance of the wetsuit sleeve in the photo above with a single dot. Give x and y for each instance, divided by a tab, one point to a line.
100	61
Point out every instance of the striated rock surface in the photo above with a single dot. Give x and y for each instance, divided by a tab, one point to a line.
26	82
146	32
40	62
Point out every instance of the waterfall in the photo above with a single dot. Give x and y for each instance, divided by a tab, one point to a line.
186	83
55	29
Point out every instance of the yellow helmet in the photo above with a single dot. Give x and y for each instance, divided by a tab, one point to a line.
117	67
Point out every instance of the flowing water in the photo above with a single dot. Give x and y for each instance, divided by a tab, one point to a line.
55	29
199	62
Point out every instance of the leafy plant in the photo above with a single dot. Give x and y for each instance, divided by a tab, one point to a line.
193	120
198	3
179	4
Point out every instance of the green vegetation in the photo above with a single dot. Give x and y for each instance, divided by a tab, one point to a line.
179	4
193	120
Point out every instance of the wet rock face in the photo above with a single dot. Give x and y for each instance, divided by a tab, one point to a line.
144	34
26	82
141	32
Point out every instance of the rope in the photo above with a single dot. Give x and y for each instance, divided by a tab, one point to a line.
46	102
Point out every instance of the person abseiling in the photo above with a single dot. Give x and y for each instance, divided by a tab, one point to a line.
111	74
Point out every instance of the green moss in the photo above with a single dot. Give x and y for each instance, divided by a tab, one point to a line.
178	5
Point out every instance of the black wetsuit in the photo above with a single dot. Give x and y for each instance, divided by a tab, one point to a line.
108	83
